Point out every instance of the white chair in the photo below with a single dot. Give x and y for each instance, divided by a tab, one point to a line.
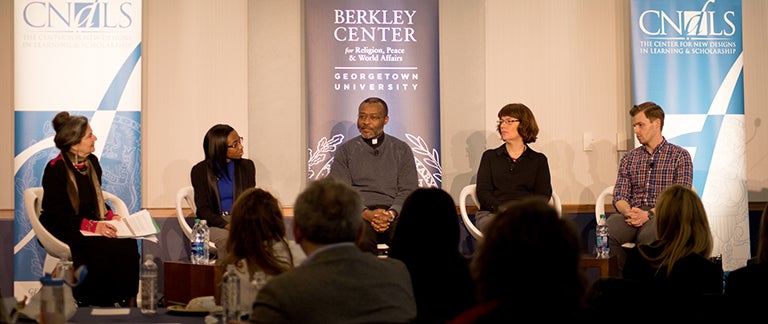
469	191
118	205
187	195
33	202
555	202
600	202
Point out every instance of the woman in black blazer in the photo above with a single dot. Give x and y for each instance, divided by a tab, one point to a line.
220	179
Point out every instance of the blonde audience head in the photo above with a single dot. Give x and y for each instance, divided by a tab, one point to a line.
682	227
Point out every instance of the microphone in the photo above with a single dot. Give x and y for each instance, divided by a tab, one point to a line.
375	152
651	165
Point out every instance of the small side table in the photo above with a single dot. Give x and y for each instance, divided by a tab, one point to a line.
184	281
608	267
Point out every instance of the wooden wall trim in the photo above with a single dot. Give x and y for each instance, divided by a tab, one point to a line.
288	211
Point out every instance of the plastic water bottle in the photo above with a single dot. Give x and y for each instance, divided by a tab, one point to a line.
230	294
200	238
52	309
149	286
206	238
602	249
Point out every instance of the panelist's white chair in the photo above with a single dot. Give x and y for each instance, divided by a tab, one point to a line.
118	205
470	191
600	202
33	202
186	195
555	202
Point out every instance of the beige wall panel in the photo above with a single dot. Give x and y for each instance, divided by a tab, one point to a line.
755	96
241	62
195	76
568	62
277	110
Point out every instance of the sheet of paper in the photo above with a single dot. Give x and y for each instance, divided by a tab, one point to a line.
137	225
111	311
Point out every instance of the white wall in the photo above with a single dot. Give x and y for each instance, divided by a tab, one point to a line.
240	62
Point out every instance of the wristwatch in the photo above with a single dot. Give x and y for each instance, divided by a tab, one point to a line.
651	214
391	213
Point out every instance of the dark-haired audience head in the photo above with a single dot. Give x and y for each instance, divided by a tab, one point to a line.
221	144
530	257
327	212
682	226
427	213
527	126
70	130
257	223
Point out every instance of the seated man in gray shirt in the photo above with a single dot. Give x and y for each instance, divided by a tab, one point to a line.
381	167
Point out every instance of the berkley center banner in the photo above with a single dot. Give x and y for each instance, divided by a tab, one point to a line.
687	56
82	57
360	48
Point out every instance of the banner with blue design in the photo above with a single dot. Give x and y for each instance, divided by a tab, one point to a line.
360	48
83	57
687	56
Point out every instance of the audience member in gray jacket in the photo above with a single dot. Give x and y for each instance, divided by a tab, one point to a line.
337	283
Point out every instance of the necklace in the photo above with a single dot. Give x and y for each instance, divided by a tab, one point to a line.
511	155
81	167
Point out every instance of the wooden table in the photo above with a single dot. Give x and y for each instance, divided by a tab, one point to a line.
607	266
184	281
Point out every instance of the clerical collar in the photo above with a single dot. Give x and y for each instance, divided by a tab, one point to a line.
375	142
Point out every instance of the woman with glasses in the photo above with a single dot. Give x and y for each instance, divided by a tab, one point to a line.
513	170
219	180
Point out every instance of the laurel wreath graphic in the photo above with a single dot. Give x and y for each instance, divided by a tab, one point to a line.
322	150
425	159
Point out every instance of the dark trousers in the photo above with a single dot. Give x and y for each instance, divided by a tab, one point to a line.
370	239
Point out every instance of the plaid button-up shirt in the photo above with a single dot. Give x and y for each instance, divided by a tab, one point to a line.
643	176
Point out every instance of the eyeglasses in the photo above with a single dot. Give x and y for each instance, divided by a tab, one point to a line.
507	121
236	143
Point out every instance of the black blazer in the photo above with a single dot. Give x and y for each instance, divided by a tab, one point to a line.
207	191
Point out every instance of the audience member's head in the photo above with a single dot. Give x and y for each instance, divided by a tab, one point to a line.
529	258
256	225
427	213
681	225
327	212
426	239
